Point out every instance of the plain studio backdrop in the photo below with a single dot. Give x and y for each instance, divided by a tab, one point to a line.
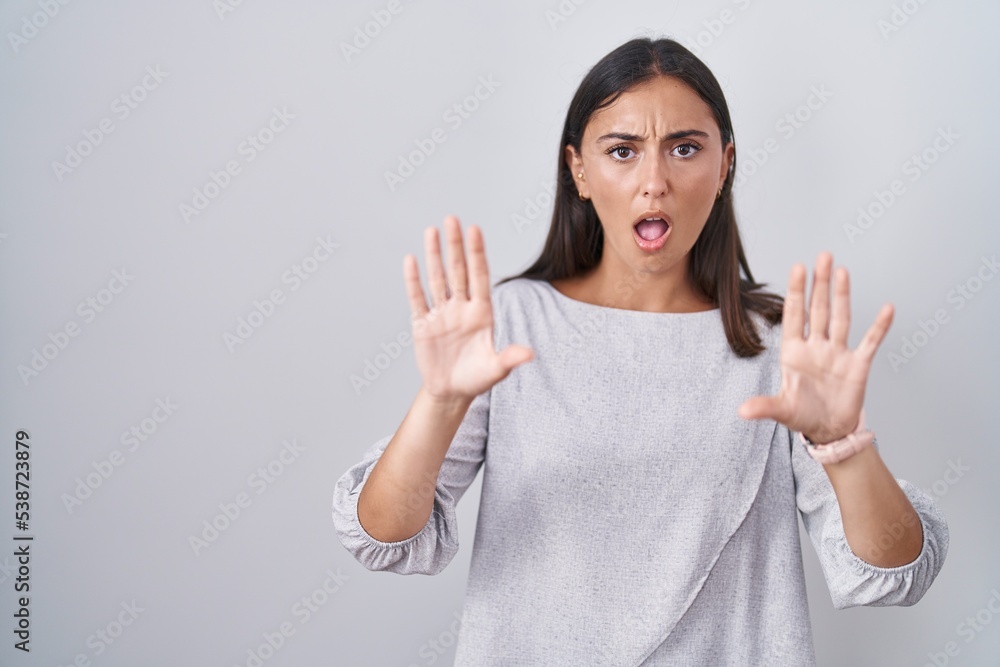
203	212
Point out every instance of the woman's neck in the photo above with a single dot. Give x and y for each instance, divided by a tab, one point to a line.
649	295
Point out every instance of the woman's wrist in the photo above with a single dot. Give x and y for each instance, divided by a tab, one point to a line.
843	448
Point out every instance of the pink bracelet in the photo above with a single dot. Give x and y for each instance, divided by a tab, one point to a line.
838	450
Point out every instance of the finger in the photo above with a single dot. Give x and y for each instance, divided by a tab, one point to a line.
876	333
793	313
819	298
414	292
479	272
840	322
435	269
458	282
514	355
763	407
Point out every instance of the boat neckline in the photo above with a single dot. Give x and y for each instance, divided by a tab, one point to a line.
639	313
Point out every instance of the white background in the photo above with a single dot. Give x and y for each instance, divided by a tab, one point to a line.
62	235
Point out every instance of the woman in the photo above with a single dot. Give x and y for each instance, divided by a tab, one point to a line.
641	429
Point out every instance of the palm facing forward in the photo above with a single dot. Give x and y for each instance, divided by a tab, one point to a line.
453	338
822	381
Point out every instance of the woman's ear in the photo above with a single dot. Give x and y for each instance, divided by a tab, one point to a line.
573	160
727	161
575	164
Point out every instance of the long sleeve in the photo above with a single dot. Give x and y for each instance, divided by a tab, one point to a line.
431	549
852	581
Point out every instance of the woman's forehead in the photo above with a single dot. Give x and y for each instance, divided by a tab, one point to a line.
660	106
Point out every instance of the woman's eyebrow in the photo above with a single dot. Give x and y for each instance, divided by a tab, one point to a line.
624	136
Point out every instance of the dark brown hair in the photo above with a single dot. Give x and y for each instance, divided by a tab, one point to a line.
576	240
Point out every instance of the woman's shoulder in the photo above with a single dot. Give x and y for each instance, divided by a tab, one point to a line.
516	299
763	323
517	289
769	333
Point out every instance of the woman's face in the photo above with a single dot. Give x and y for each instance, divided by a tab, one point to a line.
656	149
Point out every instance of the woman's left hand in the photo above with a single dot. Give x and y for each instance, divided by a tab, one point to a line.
822	381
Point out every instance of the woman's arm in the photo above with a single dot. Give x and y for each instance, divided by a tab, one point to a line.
396	501
880	523
892	540
426	548
849	565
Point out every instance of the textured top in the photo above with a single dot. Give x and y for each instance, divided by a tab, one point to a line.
629	516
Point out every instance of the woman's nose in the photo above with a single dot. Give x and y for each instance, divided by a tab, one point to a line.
654	175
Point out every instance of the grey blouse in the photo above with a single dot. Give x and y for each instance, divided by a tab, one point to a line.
629	516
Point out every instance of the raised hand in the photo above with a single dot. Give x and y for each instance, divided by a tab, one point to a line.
822	381
453	338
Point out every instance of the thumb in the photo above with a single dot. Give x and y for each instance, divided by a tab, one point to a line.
759	407
513	356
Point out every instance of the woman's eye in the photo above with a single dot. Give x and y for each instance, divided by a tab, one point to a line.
687	150
623	153
618	151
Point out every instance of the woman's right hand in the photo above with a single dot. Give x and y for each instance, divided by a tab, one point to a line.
453	339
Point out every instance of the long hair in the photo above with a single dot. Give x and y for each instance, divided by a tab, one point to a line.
575	240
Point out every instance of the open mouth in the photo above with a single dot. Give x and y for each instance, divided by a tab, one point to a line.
651	230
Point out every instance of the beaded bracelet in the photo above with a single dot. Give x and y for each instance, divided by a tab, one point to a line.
838	450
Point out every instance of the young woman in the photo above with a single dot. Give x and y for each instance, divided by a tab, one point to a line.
642	429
